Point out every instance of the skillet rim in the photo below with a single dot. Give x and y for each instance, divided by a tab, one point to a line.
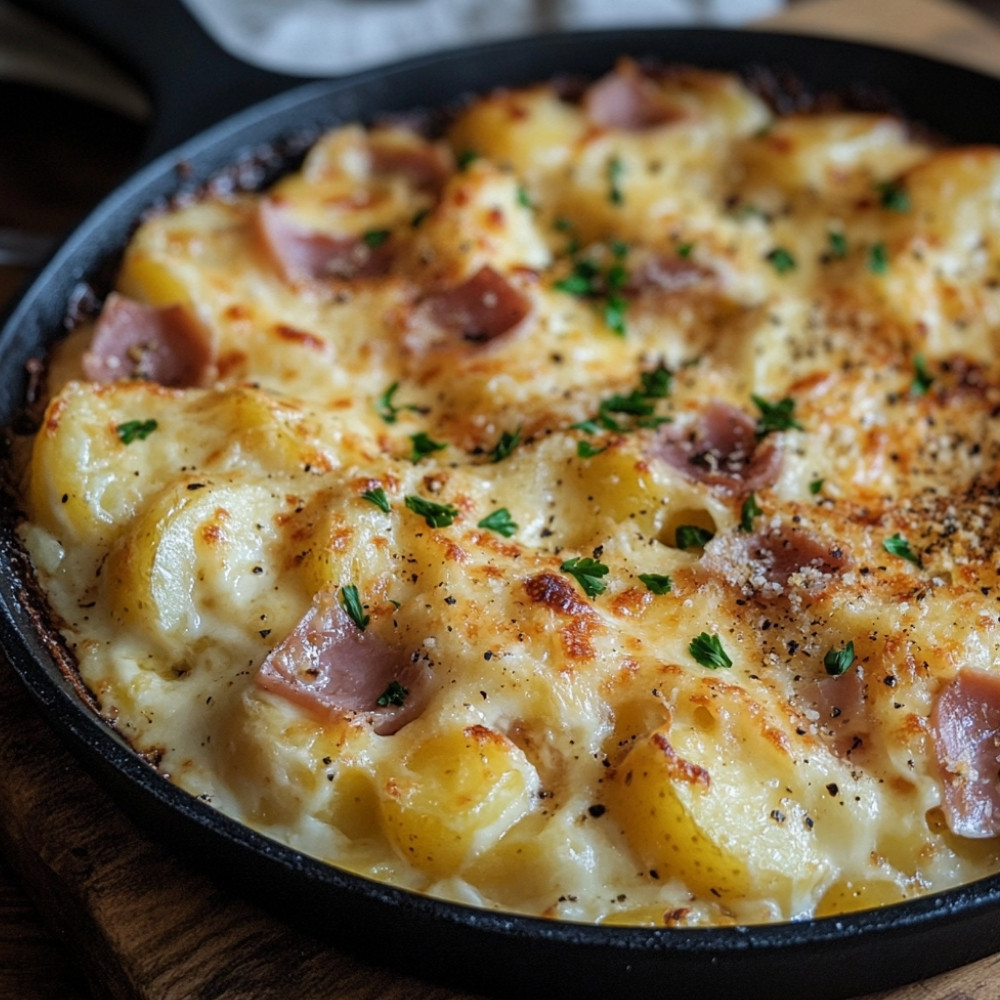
967	916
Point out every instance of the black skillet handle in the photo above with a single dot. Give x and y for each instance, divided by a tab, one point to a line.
191	81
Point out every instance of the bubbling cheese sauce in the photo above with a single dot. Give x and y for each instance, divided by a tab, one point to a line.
588	512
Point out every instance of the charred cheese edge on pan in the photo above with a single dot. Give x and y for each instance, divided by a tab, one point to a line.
590	512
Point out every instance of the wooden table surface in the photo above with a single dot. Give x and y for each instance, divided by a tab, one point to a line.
92	908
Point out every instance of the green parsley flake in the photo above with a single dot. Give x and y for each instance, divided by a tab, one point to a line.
614	314
387	409
684	250
896	545
499	521
394	694
838	244
838	661
657	382
584	449
507	443
424	446
878	259
922	379
690	536
350	601
636	404
135	430
377	496
781	260
437	515
656	583
466	158
583	280
590	280
816	486
707	650
615	171
775	416
587	572
748	512
375	237
893	195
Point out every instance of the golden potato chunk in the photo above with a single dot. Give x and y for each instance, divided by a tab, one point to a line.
454	796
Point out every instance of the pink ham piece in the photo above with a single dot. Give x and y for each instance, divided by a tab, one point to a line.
627	99
479	310
303	254
328	666
425	167
842	707
718	446
965	722
166	344
775	560
667	275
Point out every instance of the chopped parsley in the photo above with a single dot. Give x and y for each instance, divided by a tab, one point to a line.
587	572
690	536
838	244
878	259
684	250
507	443
584	279
437	515
615	171
816	486
375	237
377	496
499	521
394	694
614	313
589	279
639	404
838	661
893	195
350	601
656	382
635	404
781	260
387	409
656	583
775	416
707	650
584	449
466	158
896	545
922	379
424	446
135	430
748	512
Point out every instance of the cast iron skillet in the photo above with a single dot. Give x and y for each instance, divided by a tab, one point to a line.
192	84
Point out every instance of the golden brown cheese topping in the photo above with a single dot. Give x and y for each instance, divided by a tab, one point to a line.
592	512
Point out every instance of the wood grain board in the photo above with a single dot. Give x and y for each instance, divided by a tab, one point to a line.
122	918
139	923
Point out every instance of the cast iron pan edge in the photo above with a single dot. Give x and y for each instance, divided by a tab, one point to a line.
487	951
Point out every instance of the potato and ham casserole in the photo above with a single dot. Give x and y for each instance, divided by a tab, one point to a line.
589	509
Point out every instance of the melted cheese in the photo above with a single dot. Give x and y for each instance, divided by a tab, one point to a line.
575	758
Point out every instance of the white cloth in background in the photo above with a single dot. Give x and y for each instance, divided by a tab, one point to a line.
319	37
333	37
